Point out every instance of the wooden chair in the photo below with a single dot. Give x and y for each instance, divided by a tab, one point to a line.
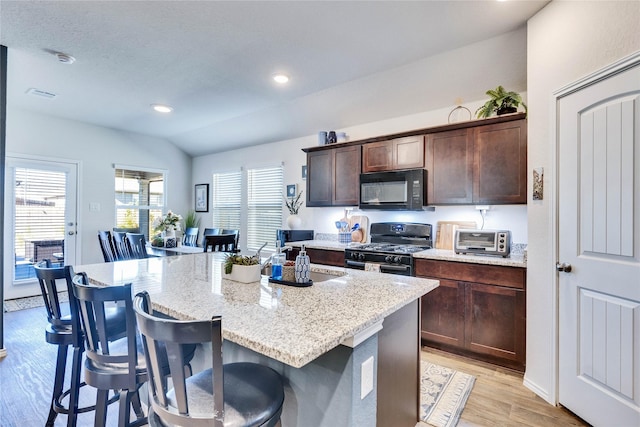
106	245
137	245
191	236
235	394
220	243
119	365
211	231
64	330
121	245
233	231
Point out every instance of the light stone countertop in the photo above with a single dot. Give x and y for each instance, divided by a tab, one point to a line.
290	324
513	260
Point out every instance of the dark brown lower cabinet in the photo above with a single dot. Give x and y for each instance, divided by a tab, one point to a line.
320	256
477	311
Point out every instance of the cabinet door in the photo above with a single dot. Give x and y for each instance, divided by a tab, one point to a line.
408	153
346	178
500	163
495	323
319	178
326	257
449	163
377	156
443	314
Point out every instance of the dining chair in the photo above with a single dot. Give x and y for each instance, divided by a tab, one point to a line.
121	245
64	330
106	245
137	245
234	394
191	236
233	231
211	231
220	243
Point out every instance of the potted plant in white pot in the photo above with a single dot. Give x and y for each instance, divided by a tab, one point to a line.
293	204
245	269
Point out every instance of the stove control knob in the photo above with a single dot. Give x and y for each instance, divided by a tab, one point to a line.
396	259
388	259
361	256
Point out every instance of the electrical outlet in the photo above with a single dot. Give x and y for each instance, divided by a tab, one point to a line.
94	207
483	207
366	377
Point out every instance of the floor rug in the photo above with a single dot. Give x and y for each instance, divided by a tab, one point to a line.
30	302
443	394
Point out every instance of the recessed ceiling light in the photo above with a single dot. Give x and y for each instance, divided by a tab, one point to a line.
281	78
162	108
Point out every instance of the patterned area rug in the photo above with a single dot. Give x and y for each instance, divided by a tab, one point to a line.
30	302
443	394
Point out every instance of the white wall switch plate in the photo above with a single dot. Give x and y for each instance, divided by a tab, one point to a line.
366	377
94	207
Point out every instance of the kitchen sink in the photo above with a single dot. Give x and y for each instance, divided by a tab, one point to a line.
315	276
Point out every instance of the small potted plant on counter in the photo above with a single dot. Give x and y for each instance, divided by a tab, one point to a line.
245	269
500	102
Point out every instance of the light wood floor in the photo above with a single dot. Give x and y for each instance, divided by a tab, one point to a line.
498	397
26	376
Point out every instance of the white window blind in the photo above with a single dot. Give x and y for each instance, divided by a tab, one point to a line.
139	198
40	199
264	206
227	199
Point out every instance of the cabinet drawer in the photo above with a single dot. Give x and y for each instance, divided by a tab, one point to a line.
512	277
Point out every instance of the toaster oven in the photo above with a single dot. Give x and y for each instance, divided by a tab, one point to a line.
483	242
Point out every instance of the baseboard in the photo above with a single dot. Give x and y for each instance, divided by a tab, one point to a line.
542	393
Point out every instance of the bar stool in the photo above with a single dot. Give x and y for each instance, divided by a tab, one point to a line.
234	394
64	331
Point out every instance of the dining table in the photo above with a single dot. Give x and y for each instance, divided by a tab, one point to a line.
346	344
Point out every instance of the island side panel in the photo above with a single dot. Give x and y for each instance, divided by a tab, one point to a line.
399	368
324	392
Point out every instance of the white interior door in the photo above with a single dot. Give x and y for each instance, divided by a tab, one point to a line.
599	238
40	220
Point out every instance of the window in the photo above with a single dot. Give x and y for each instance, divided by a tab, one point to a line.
139	198
255	206
227	199
264	206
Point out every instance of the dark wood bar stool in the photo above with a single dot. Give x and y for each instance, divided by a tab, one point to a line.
235	394
63	331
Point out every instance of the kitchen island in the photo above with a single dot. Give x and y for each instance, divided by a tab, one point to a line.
348	346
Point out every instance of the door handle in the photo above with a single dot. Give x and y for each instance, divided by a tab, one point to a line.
563	267
71	233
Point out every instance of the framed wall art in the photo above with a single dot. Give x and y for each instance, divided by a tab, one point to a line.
202	198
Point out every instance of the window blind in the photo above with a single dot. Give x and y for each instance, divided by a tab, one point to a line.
264	206
227	199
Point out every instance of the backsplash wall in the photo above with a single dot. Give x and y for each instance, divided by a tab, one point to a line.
503	217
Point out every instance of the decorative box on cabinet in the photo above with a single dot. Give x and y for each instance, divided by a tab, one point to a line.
395	154
485	164
478	311
333	176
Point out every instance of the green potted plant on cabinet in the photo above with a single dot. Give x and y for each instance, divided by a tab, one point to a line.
500	102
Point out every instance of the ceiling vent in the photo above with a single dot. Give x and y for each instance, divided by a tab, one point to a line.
41	93
65	59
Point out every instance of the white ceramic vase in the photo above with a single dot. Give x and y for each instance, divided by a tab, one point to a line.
294	222
170	234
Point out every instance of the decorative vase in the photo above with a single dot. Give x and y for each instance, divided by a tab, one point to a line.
294	222
244	273
506	110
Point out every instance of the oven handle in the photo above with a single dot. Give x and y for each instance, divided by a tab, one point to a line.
360	265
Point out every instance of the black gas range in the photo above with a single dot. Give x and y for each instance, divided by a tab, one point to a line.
391	248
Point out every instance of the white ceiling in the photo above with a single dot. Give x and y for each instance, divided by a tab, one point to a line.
350	63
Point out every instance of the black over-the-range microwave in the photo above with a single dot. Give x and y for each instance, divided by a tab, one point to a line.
394	190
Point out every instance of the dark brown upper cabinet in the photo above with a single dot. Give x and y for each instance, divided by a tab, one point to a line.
478	165
333	176
395	154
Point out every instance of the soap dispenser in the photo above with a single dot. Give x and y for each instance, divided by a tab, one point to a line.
302	267
277	261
